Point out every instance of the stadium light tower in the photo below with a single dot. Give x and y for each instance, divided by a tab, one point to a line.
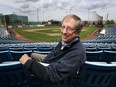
70	9
21	17
37	15
74	6
88	15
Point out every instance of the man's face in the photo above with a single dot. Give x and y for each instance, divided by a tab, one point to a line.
68	31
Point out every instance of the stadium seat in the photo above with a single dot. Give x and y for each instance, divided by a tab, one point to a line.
108	48
109	56
42	52
45	49
67	82
113	48
16	49
31	48
13	74
41	83
4	48
91	49
94	55
16	55
5	56
96	74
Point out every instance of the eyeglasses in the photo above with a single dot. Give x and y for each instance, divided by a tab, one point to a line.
68	29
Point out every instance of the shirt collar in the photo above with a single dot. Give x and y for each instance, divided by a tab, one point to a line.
68	44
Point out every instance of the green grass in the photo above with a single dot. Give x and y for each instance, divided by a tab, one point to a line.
41	35
89	30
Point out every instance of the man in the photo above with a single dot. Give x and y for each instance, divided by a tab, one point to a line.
65	59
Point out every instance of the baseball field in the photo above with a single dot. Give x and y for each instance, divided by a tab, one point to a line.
48	33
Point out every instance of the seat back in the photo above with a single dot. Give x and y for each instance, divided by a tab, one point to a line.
16	55
45	49
97	74
104	48
5	56
91	49
13	74
16	49
4	48
94	55
109	56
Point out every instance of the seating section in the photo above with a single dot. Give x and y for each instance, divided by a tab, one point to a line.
96	74
94	51
13	74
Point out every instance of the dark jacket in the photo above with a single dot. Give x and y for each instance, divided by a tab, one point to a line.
63	63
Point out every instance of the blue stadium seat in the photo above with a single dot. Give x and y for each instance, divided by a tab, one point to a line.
108	48
96	74
42	52
13	74
31	48
45	49
113	48
94	55
67	82
5	56
91	49
16	55
16	49
109	56
4	48
35	82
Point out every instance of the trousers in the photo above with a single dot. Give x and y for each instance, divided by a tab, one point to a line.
38	57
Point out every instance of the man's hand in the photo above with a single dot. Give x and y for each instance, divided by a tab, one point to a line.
24	58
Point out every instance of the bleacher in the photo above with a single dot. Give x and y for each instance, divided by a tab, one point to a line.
98	71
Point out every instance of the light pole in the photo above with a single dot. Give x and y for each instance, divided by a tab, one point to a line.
73	6
21	18
43	16
88	16
70	9
37	15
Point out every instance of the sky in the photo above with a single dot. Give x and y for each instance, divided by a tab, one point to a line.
43	10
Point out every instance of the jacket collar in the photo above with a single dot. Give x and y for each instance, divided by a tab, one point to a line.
67	45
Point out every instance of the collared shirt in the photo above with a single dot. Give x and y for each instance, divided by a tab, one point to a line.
67	44
63	45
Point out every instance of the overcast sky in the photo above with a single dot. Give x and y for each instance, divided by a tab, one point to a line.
57	9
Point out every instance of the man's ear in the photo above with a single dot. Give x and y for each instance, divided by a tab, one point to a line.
78	33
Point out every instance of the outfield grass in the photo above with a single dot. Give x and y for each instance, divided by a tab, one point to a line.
43	33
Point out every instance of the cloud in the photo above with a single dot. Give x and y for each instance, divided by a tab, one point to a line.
58	7
96	4
25	6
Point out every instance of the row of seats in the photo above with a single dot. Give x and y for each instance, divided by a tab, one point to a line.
101	56
91	74
108	36
14	55
50	46
110	30
26	48
99	48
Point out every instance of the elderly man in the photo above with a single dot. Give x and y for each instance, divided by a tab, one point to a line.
65	59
